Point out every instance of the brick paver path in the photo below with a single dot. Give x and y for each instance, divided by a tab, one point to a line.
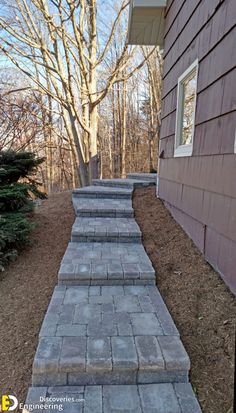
108	340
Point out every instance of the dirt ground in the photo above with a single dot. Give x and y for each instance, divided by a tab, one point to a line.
25	291
202	307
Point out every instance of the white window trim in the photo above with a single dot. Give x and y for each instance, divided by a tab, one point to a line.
184	150
235	142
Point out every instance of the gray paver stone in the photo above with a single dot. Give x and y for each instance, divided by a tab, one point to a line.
65	330
34	397
187	402
93	399
128	304
152	398
159	398
98	354
149	353
122	399
73	354
84	313
146	324
103	378
48	351
101	329
174	353
76	295
67	315
124	353
50	379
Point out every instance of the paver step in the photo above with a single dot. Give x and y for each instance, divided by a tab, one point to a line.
106	263
122	183
149	177
102	192
105	230
113	208
108	341
147	398
108	335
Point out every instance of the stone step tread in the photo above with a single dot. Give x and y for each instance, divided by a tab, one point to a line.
146	398
111	204
122	183
93	191
106	229
112	334
143	176
103	207
103	263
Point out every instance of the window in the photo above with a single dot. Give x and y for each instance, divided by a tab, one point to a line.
185	117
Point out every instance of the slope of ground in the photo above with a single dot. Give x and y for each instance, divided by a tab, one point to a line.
25	291
202	307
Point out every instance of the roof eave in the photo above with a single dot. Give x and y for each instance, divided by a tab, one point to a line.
146	22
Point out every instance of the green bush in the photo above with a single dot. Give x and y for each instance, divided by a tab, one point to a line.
16	165
13	197
15	229
16	201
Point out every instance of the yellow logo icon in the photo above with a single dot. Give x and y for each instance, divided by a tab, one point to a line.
9	403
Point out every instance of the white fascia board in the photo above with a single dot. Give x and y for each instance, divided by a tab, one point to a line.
146	22
149	3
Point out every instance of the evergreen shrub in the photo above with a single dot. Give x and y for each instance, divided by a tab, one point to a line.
18	190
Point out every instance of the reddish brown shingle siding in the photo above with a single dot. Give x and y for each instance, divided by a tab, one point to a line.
215	173
180	22
221	23
178	43
173	8
200	190
208	136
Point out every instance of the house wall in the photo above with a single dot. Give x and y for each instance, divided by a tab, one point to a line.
200	190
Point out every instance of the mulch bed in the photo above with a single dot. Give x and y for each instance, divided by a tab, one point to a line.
201	305
25	291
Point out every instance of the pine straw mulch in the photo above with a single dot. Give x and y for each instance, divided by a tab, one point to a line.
201	305
25	291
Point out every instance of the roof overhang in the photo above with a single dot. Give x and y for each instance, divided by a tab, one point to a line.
146	22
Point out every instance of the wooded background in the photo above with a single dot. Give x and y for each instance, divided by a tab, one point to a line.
73	91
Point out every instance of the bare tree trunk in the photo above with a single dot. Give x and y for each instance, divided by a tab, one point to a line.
110	153
114	134
151	132
93	155
124	125
72	169
83	168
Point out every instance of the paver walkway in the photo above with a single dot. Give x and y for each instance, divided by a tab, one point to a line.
107	339
106	230
108	263
98	207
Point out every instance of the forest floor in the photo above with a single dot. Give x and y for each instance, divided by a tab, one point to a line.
25	291
201	305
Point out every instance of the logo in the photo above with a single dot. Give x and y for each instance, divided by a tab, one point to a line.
8	403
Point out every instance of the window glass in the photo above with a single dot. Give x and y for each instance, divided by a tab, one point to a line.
189	86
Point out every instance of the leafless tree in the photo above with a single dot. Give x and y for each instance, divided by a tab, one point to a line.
55	43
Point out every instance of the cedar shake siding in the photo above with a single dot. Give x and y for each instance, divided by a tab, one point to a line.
200	190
